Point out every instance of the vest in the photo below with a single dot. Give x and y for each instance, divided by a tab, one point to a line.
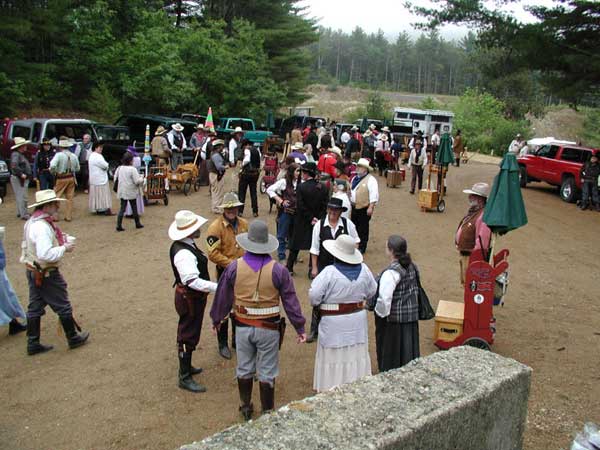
405	300
289	194
200	257
254	165
325	258
178	141
210	165
29	250
255	289
362	193
468	231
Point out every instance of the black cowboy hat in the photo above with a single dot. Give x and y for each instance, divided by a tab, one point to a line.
309	167
336	203
340	165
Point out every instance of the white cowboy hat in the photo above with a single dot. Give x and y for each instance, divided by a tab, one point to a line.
383	137
200	126
364	162
237	130
385	129
344	249
19	142
372	126
185	223
65	143
336	150
177	127
217	142
368	133
354	128
46	196
257	239
231	200
298	146
480	189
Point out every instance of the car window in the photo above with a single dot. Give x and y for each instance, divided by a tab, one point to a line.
572	154
70	130
586	155
548	151
21	131
37	132
244	124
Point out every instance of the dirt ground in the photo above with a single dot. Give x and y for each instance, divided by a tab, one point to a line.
120	391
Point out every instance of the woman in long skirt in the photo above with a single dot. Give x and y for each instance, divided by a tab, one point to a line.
340	291
397	308
100	197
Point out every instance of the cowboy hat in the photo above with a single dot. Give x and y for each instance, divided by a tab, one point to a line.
297	146
45	196
217	142
65	143
480	189
19	142
336	203
372	126
257	239
354	128
364	162
200	126
46	141
177	126
160	130
383	137
231	200
368	133
344	249
336	150
386	128
185	223
237	130
309	167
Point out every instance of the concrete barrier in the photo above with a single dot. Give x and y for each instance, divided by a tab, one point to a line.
464	399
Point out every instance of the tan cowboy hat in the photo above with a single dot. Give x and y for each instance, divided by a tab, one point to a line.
160	130
19	142
336	150
230	200
217	142
364	162
177	127
257	239
298	146
383	137
185	223
200	126
344	249
480	189
237	130
65	143
45	196
386	128
372	126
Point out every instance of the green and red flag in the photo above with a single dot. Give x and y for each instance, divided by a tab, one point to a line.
209	125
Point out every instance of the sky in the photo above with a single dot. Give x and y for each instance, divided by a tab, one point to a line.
389	15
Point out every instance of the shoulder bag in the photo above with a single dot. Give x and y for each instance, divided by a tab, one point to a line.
426	312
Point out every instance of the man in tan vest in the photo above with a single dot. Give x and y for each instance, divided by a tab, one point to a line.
160	147
254	285
472	233
364	196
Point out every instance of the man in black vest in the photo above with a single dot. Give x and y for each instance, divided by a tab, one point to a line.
190	268
330	227
311	203
249	175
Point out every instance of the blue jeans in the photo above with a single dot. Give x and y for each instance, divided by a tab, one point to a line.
283	227
46	180
590	188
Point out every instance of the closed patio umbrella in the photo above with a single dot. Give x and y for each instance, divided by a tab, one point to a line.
444	156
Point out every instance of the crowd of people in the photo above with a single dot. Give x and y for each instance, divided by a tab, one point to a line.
326	198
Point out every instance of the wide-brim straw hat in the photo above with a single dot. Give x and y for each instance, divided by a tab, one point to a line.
177	127
383	137
372	126
257	239
231	200
368	133
237	130
160	130
297	146
364	162
344	249
200	126
336	150
185	223
480	189
385	129
65	143
45	196
217	142
19	142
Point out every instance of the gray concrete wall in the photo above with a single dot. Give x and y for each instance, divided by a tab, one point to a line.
463	399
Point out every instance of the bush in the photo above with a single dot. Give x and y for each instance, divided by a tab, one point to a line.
591	127
102	103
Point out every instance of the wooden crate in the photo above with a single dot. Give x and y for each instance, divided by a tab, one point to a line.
394	178
449	320
428	199
403	156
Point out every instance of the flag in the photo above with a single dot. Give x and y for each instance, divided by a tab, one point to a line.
209	125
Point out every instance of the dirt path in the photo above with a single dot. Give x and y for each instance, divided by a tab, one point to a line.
120	391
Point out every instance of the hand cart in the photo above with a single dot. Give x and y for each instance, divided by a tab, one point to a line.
156	185
186	176
430	199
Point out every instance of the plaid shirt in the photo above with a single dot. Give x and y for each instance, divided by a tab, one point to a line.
405	301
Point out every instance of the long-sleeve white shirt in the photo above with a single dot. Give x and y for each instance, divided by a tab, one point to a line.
247	154
171	140
387	284
414	160
42	234
435	139
278	187
373	191
233	144
187	267
333	287
98	168
316	242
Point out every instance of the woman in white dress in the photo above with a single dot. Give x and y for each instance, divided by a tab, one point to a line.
341	291
100	197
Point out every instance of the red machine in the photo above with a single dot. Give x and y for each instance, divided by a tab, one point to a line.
270	169
472	322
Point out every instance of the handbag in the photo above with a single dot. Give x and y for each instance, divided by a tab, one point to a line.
426	312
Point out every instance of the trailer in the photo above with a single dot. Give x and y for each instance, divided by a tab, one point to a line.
409	121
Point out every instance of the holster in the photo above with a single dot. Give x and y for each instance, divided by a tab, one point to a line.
282	326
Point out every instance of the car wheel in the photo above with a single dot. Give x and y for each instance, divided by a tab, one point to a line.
523	176
568	190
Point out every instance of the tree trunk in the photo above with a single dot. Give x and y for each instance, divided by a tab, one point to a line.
337	62
178	12
351	70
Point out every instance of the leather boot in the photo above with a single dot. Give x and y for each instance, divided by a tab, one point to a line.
33	337
267	396
75	337
15	327
185	376
194	370
245	388
222	340
314	325
120	222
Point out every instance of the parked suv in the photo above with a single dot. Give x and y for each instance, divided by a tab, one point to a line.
556	164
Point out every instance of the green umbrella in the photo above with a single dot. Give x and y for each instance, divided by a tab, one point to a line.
444	155
364	125
505	210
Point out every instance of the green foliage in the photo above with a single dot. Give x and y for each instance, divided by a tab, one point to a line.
102	103
480	117
376	107
591	127
430	103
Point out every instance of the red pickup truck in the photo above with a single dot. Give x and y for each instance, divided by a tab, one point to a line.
556	164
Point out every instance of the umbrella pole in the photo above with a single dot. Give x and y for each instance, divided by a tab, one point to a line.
492	245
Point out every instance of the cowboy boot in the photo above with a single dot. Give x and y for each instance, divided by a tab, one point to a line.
267	396
194	370
15	327
185	376
314	325
120	222
75	337
33	337
222	340
245	388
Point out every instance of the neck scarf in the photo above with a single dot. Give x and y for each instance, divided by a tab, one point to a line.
357	179
350	271
41	215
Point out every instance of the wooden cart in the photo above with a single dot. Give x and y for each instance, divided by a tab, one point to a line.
433	199
186	176
156	185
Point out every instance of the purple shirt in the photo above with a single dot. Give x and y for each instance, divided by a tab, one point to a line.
299	155
282	281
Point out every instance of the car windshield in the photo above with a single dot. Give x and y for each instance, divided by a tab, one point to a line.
243	124
70	130
112	133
